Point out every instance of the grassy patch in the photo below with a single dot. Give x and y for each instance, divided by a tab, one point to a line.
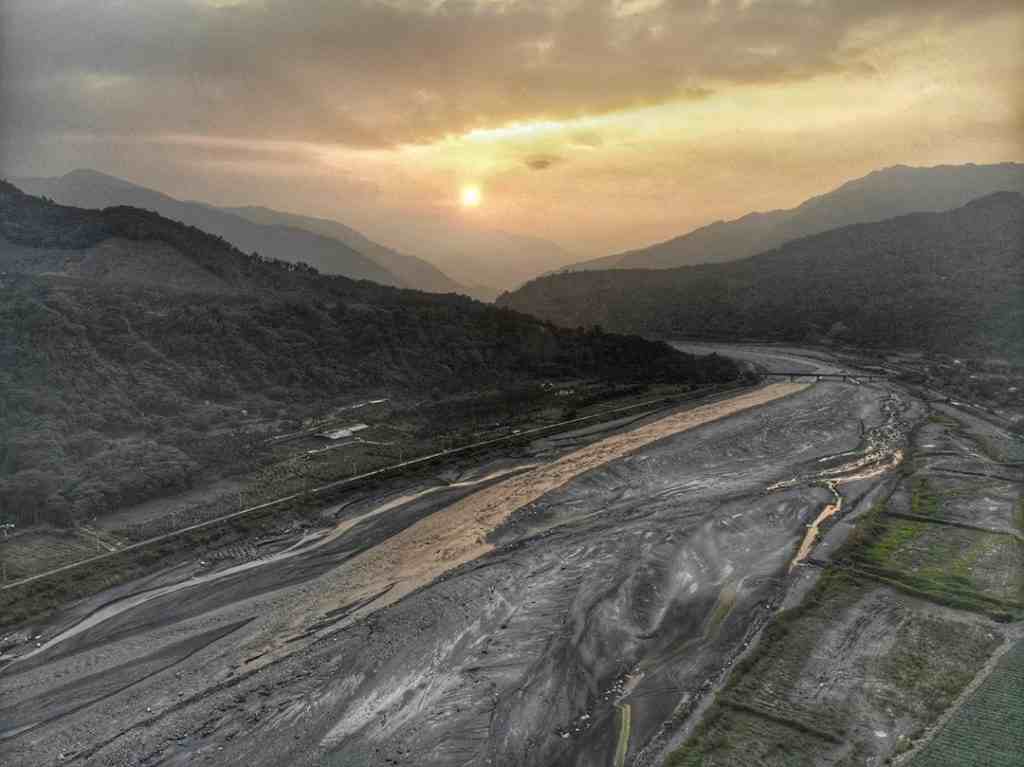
1003	450
957	567
890	538
855	651
962	568
622	748
988	731
726	601
47	547
946	591
929	663
924	500
730	736
38	599
849	652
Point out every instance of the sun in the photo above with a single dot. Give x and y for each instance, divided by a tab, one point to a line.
471	196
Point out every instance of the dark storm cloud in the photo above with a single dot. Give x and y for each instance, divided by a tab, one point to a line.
379	73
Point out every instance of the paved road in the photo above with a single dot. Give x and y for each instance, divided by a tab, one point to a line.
632	583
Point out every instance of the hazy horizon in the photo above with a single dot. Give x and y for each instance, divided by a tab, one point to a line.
600	126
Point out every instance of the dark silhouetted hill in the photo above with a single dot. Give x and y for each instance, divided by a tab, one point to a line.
950	281
880	195
131	345
330	247
413	272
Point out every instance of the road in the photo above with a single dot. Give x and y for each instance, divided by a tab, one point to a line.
503	618
355	480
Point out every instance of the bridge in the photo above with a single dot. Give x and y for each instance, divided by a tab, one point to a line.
856	378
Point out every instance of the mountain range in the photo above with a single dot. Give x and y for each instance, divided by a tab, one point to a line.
137	352
951	281
485	261
412	271
328	246
881	194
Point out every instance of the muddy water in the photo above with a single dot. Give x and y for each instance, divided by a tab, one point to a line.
458	534
880	455
812	529
434	546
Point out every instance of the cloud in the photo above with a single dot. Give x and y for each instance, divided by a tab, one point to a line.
379	73
542	161
587	139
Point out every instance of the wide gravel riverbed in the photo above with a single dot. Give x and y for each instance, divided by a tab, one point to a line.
564	607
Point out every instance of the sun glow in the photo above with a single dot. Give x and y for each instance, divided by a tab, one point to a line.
471	196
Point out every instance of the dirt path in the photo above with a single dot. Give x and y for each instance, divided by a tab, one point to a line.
447	539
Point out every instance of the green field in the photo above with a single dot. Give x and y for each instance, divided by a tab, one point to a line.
962	568
950	558
735	737
988	731
854	652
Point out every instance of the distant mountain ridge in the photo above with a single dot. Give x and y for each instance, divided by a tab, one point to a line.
951	281
328	246
490	259
414	272
882	194
121	245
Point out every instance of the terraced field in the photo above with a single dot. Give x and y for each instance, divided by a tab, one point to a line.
904	618
988	731
962	567
858	670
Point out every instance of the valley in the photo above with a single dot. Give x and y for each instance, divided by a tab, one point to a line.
945	283
508	383
608	595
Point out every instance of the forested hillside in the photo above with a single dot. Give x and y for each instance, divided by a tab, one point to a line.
115	388
950	281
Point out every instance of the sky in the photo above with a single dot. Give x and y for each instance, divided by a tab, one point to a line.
600	125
